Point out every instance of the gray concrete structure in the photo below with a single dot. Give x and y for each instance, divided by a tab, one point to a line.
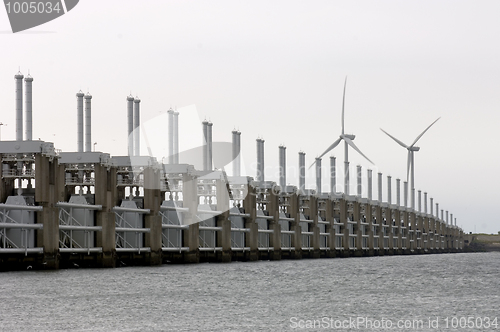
93	209
88	122
28	81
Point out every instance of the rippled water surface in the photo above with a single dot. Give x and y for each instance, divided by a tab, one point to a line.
258	296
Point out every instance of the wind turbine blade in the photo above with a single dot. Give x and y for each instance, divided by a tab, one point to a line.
408	167
397	141
424	132
343	102
331	147
351	143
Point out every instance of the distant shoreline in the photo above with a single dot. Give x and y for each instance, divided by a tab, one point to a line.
481	242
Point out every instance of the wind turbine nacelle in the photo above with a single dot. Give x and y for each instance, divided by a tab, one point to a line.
414	148
350	136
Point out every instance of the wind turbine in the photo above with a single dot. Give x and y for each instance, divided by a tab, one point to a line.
410	163
348	141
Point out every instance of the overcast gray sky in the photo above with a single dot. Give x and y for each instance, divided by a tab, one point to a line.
276	69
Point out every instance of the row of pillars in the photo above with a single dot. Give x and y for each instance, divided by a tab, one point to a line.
333	181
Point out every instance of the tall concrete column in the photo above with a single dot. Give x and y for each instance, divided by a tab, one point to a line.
79	120
405	186
209	146
346	177
282	163
88	122
205	144
46	195
318	175
275	237
176	138
359	234
333	176
370	184
369	220
107	197
398	192
313	209
359	184
330	227
19	106
260	160
380	187
251	238
302	172
380	222
389	189
344	220
190	201
425	202
29	110
295	226
236	152
171	153
137	127
222	220
152	201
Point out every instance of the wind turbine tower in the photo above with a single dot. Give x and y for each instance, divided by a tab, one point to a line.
348	141
410	169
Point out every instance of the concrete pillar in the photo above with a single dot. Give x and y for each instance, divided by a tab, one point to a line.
46	196
19	106
79	121
205	144
346	177
28	103
330	227
369	219
313	209
260	160
380	222
152	201
88	122
137	127
344	220
431	206
333	176
397	216
302	172
282	163
236	153
369	184
389	189
295	226
380	187
176	138
359	234
106	195
398	192
318	175
425	202
419	201
251	238
359	184
224	236
130	124
275	237
190	201
171	153
405	186
209	143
